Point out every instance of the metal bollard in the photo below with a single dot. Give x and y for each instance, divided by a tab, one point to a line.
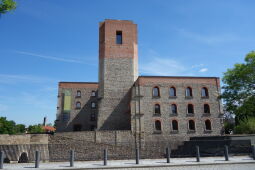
197	154
71	158
137	155
168	155
253	152
37	159
1	160
226	153
105	157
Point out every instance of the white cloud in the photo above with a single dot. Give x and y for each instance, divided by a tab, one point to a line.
49	57
209	39
203	70
197	65
40	100
14	78
163	67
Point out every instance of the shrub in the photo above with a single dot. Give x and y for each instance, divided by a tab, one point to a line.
229	127
246	126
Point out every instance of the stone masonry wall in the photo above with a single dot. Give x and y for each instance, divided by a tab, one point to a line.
117	73
120	145
78	116
144	103
90	145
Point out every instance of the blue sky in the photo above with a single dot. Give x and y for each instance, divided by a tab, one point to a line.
43	42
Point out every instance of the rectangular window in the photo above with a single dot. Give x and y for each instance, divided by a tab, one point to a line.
93	105
118	37
92	117
92	127
93	93
65	117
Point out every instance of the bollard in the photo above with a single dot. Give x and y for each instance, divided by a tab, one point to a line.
226	152
253	152
71	158
37	159
137	155
1	160
105	157
197	154
167	155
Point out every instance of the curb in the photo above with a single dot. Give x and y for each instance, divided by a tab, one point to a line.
167	165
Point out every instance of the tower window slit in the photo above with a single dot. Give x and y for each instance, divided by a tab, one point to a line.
118	37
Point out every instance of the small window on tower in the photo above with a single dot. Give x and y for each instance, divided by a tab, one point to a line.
118	37
93	93
93	105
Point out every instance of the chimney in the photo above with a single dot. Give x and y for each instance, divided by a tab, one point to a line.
44	121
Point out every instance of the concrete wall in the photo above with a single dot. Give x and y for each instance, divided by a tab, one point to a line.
14	145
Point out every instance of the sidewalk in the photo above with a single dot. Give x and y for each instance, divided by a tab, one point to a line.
144	163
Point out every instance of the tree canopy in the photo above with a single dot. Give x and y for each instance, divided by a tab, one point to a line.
10	127
239	89
7	5
35	129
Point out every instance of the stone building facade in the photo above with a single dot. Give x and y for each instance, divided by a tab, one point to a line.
78	106
167	106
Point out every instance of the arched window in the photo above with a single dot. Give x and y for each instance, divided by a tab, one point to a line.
155	92
208	125
23	158
93	93
157	125
157	109
174	124
206	108
78	105
92	117
93	105
174	109
77	127
78	93
204	92
172	92
188	92
190	109
191	125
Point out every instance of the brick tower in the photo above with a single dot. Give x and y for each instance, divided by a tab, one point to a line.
118	70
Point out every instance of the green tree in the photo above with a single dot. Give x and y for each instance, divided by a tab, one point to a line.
20	128
7	127
10	127
239	89
246	126
35	129
7	5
